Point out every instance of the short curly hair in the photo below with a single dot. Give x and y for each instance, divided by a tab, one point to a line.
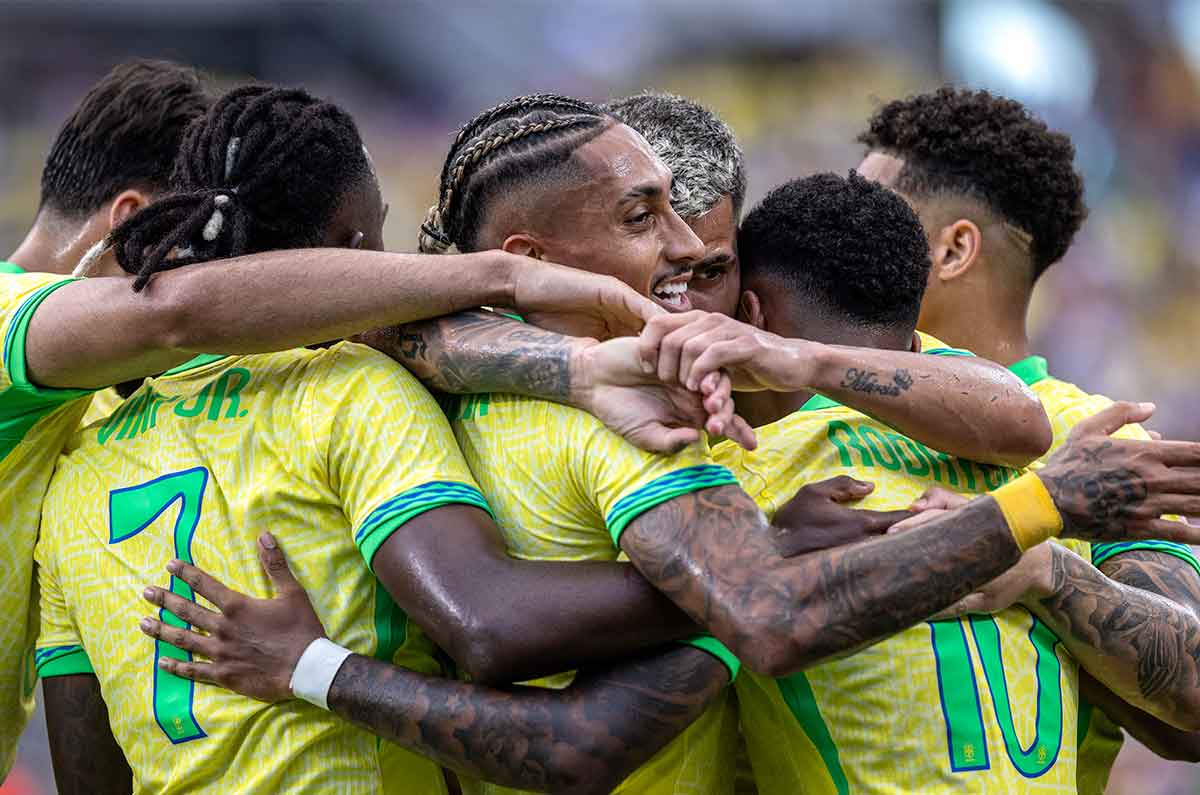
846	245
992	148
698	147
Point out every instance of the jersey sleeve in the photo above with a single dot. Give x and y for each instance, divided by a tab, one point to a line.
626	481
22	403
59	650
1062	423
390	453
715	648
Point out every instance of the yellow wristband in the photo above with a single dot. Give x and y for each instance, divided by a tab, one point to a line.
1029	510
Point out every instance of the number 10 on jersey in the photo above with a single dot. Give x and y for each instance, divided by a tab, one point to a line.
131	510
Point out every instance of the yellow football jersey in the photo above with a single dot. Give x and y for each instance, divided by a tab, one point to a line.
34	425
332	451
568	500
983	704
104	402
1066	405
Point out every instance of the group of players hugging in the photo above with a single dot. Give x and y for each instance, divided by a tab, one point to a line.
242	558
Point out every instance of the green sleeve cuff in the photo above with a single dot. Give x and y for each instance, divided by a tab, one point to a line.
709	644
660	490
1108	551
379	525
62	661
14	349
948	352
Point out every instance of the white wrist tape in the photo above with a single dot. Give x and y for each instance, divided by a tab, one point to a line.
315	671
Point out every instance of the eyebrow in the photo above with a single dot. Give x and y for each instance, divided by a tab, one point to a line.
648	191
717	259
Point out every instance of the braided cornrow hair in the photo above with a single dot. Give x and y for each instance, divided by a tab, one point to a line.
517	141
265	169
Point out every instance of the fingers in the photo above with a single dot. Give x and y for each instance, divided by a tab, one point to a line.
843	488
185	610
195	671
275	564
203	584
656	329
180	638
740	432
1175	454
1113	418
1163	530
717	391
658	438
1154	435
718	356
937	497
916	521
879	522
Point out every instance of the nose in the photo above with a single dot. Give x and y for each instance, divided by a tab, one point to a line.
681	246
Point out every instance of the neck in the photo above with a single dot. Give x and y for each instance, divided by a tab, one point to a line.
763	408
991	326
53	245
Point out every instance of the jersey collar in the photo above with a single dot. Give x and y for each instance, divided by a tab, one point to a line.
199	361
10	267
1031	370
818	402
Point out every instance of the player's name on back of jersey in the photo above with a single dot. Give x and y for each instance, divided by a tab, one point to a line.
216	401
865	445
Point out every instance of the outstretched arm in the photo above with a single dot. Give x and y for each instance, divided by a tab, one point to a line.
87	759
1160	737
584	739
965	406
97	332
1142	646
711	552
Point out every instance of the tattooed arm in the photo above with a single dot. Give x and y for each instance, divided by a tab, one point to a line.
710	551
1160	737
1144	647
87	759
965	406
584	739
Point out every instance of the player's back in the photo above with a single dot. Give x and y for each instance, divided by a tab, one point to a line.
34	425
982	704
195	466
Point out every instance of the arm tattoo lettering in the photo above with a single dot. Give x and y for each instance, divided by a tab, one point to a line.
475	352
87	759
712	553
584	739
867	381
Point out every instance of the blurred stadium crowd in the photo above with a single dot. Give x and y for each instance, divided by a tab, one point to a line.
794	80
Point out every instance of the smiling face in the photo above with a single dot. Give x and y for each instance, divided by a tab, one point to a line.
716	283
618	221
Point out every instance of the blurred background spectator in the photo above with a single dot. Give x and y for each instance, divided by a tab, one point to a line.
796	80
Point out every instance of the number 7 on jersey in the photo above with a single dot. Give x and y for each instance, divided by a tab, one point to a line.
130	511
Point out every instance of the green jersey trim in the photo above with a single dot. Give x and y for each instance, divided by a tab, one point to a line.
709	644
819	402
948	352
23	403
62	661
1109	550
663	489
192	364
10	267
388	517
1030	370
802	702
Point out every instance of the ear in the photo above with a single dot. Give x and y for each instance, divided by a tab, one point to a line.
523	244
750	310
127	203
955	249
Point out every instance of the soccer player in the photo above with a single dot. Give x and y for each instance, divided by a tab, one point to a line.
65	338
403	708
1000	200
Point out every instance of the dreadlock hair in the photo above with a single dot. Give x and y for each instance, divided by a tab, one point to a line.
526	139
124	133
698	147
266	168
993	149
847	246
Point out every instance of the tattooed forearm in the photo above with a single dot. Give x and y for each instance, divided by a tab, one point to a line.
1156	572
1144	647
87	759
476	352
868	381
711	552
584	739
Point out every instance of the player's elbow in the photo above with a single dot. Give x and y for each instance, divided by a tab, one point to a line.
1186	716
1021	436
769	650
592	767
487	654
1178	746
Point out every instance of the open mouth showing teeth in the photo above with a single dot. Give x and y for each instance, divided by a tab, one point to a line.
673	295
